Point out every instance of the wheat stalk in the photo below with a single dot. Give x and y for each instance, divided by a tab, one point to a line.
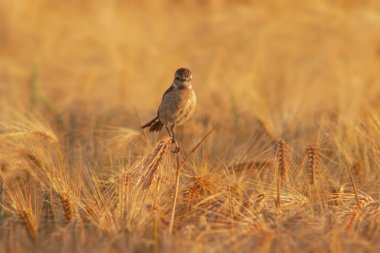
351	178
31	226
358	170
9	235
259	203
49	214
179	165
337	195
1	196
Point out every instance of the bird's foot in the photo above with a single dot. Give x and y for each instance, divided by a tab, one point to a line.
176	150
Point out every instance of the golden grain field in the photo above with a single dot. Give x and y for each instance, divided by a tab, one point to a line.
282	154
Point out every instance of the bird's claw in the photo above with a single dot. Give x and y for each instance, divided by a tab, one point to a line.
176	150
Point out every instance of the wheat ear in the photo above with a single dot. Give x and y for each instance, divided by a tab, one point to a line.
153	160
313	163
281	155
66	206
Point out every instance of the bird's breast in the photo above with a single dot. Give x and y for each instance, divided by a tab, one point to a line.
178	104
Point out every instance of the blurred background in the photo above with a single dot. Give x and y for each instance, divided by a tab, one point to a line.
282	60
292	88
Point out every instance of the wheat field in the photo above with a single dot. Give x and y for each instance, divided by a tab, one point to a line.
282	154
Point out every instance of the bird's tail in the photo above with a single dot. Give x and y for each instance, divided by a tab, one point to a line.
155	125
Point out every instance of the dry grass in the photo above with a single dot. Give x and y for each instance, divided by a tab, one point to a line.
290	89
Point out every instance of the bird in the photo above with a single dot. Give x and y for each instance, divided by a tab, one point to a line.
177	105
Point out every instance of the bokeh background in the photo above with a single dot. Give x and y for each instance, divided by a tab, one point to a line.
290	87
282	60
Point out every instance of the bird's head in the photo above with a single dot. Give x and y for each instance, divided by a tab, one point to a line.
182	78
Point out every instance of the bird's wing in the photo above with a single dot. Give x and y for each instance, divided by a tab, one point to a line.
167	92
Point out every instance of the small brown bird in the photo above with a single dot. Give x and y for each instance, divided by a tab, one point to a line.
177	105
